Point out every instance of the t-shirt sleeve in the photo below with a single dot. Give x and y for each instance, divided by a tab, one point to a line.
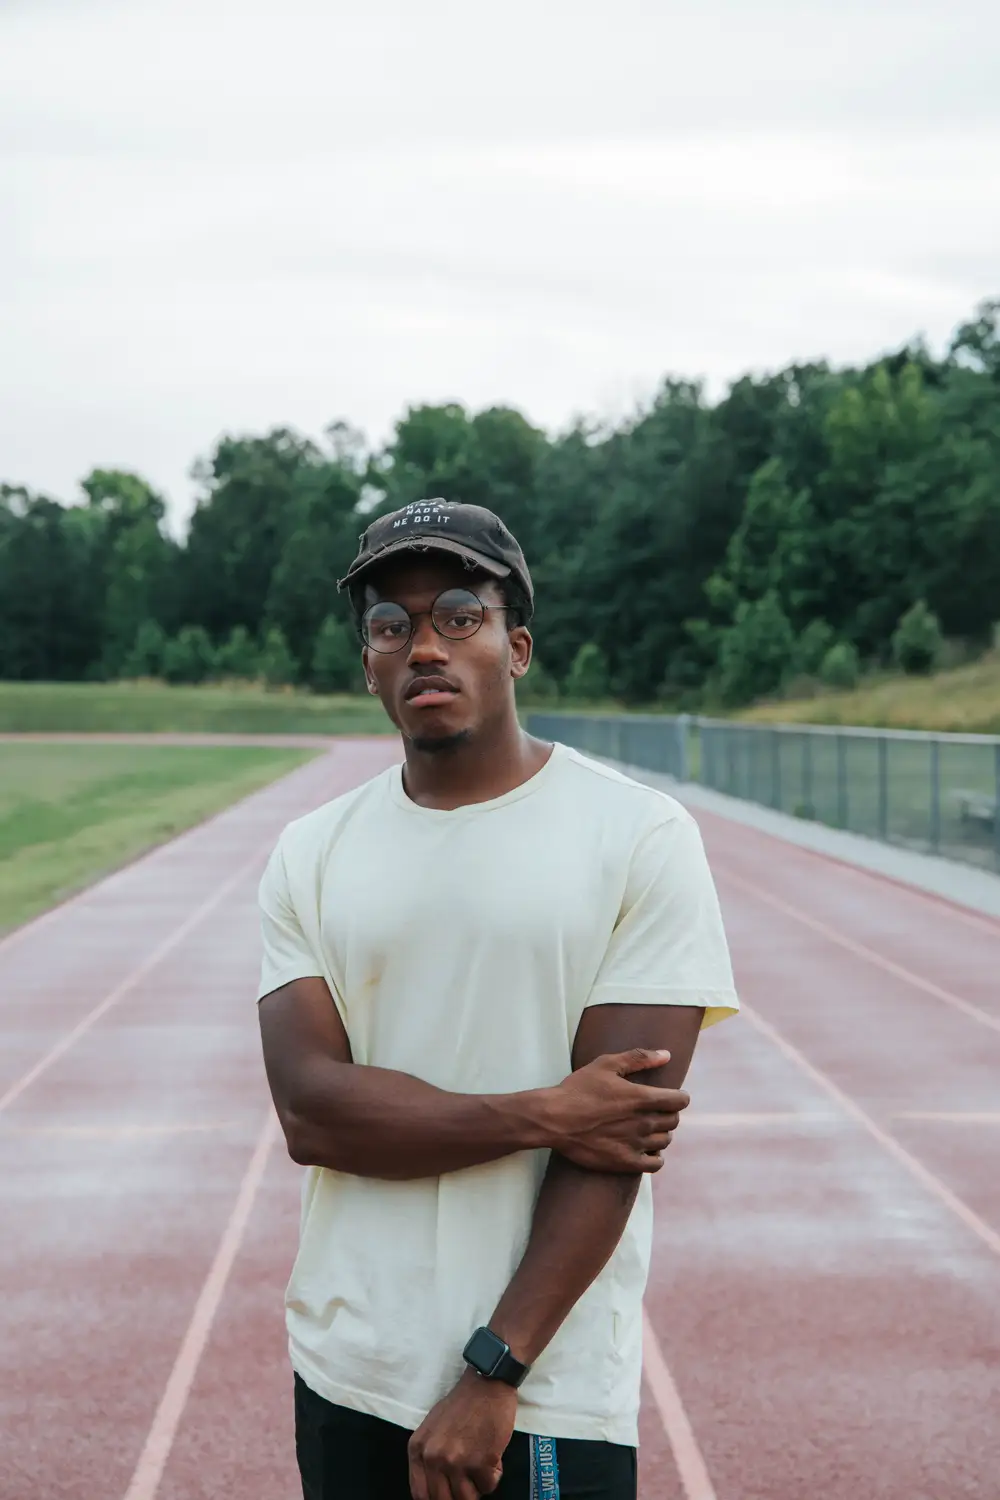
287	954
669	945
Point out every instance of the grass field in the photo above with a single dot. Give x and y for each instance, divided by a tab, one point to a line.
154	708
965	700
71	813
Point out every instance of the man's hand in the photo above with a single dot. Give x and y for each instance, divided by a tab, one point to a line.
601	1120
457	1451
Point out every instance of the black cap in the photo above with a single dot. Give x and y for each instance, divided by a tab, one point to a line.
467	531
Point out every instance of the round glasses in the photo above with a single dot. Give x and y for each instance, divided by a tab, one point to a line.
456	614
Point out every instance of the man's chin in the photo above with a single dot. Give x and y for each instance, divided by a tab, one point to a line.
440	743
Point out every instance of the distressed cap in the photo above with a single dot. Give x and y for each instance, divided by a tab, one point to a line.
471	532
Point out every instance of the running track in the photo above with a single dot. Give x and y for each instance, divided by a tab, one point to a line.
824	1310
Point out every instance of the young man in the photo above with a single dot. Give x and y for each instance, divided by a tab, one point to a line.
484	975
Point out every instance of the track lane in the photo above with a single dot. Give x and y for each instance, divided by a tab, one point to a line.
831	1329
935	942
832	1323
831	1326
119	1164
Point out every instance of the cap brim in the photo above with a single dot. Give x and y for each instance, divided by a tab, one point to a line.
424	544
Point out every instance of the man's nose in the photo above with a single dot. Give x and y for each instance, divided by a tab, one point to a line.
426	644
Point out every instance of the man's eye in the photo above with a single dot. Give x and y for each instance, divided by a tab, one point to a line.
390	629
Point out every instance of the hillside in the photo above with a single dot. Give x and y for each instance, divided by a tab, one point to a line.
964	700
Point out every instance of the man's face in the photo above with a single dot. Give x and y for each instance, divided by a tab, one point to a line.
438	691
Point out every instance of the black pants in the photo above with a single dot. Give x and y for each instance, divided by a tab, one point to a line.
346	1455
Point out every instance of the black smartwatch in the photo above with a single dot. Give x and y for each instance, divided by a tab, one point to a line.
488	1354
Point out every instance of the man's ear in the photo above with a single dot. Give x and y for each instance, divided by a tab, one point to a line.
369	679
521	646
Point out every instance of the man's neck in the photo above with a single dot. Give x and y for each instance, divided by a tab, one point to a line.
474	770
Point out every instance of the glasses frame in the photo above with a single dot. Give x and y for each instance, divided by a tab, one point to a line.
419	614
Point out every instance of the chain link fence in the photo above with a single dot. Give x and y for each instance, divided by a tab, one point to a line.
938	793
652	742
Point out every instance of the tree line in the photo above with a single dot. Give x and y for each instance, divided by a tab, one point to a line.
808	525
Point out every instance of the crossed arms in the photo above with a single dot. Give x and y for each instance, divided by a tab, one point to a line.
604	1128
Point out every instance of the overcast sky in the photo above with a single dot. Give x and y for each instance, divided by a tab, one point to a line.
219	216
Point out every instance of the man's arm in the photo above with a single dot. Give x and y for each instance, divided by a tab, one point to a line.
579	1219
580	1215
376	1122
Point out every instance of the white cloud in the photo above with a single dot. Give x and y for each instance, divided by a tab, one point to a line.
217	216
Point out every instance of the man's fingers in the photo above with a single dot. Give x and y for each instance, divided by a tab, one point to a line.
455	1483
444	1487
638	1060
658	1141
419	1489
654	1101
432	1478
641	1160
455	1486
485	1481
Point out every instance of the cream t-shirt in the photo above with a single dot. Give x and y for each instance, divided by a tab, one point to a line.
462	947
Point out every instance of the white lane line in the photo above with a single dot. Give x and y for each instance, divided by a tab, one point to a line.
967	1216
721	1121
950	1117
139	973
861	950
676	1424
115	1132
160	1438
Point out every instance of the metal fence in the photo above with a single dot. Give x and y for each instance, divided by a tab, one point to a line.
939	793
652	742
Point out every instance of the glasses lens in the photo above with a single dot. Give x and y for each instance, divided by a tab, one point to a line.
457	614
386	627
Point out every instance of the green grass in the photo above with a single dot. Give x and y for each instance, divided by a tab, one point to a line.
964	700
71	813
154	708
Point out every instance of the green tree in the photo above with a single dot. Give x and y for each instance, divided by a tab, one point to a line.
303	590
917	640
132	558
841	666
238	655
145	659
188	656
248	506
336	659
277	664
757	652
588	676
812	647
977	343
771	548
538	685
881	526
843	493
50	609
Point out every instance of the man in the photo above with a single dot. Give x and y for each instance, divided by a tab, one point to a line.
484	975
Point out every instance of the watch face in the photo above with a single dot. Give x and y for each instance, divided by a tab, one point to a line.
484	1351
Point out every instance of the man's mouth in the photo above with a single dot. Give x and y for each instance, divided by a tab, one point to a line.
430	692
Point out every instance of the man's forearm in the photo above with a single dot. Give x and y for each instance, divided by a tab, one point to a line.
374	1122
579	1219
581	1215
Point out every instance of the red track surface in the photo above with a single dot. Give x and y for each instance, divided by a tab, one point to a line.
825	1301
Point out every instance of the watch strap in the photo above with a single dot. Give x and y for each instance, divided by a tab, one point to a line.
510	1370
